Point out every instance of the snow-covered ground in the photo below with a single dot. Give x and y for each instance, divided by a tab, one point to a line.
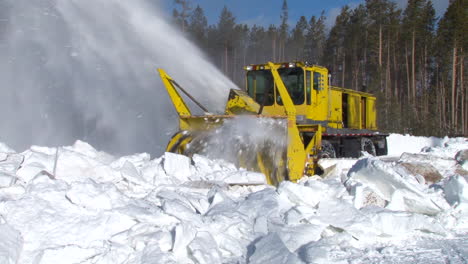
78	205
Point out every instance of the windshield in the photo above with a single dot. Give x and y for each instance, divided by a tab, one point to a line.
260	85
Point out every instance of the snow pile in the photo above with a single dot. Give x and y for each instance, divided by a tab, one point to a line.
397	144
78	205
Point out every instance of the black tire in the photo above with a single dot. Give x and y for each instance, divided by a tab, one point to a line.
327	151
381	146
368	146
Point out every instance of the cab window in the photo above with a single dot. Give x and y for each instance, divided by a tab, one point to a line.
293	79
318	81
260	86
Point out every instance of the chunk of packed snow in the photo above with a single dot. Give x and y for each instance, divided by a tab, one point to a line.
6	180
203	249
11	244
456	191
299	194
271	249
68	254
391	186
321	252
401	224
177	166
336	168
462	158
444	164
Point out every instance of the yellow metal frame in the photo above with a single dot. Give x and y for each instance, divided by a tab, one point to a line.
240	102
179	103
296	154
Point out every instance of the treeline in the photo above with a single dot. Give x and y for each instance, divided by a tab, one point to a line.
413	61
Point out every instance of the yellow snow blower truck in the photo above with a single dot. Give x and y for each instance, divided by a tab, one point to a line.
317	120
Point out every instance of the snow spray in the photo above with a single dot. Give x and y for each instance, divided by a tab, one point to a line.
243	137
87	70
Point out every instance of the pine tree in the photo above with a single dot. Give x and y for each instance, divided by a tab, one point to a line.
355	40
182	15
297	42
198	26
315	39
226	34
283	31
451	60
272	42
417	29
383	23
335	54
241	42
382	19
256	49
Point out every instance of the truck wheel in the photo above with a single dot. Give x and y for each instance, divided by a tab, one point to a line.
368	146
327	151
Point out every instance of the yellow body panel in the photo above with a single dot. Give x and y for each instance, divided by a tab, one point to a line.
320	97
336	113
371	114
354	111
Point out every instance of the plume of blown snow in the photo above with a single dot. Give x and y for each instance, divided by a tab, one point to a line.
87	70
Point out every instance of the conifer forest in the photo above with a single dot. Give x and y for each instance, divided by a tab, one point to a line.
414	62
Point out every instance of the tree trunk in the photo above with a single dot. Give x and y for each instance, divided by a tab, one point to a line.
462	94
443	113
279	50
413	69
387	73
408	83
438	96
226	59
425	81
356	75
244	57
395	72
364	68
234	66
380	46
343	71
454	85
273	46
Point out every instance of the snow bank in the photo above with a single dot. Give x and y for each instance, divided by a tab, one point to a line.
398	144
78	205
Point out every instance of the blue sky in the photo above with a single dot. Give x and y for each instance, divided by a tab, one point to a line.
266	12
